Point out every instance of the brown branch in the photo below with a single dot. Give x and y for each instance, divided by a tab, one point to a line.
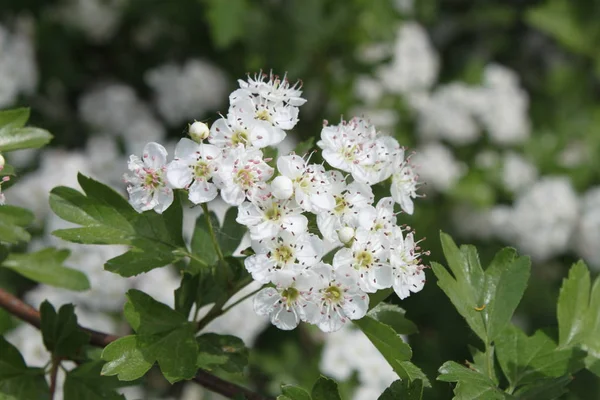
25	312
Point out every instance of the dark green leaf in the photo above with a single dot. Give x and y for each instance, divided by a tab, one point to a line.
46	266
231	233
470	384
62	336
221	351
185	295
387	341
16	379
378	296
573	302
23	138
137	261
403	390
294	392
544	389
202	244
393	316
325	389
86	383
148	316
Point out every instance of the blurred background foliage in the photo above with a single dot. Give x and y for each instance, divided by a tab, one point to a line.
552	46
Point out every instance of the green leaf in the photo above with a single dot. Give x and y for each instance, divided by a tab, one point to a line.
231	233
505	282
137	261
61	334
481	362
392	315
470	384
125	359
221	351
162	335
226	21
305	146
325	389
86	383
527	359
46	266
294	392
23	138
7	170
403	390
591	340
374	298
202	245
16	379
16	215
544	389
573	302
13	220
15	118
185	294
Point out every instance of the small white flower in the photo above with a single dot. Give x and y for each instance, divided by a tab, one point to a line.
339	297
275	89
346	235
380	218
409	274
265	216
193	168
291	301
368	255
241	172
404	187
198	131
148	187
284	252
311	184
283	187
236	130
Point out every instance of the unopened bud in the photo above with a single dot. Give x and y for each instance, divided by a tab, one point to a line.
282	187
346	234
2	162
198	131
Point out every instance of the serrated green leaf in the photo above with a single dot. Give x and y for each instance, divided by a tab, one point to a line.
221	351
409	371
46	266
481	362
125	359
16	379
294	392
544	389
61	334
403	390
591	338
394	316
325	389
470	384
387	341
86	383
573	302
505	282
14	118
137	261
23	138
148	316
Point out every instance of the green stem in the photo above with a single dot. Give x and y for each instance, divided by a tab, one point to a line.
240	300
490	360
211	230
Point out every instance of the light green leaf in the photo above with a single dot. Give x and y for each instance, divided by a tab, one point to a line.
14	118
61	334
46	266
125	359
86	383
13	220
225	352
573	302
394	316
403	390
305	146
137	261
23	138
591	339
294	392
16	215
325	389
16	379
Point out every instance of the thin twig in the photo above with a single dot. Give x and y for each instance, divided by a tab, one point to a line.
53	373
25	312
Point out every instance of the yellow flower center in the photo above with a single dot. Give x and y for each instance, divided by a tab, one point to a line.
363	259
333	293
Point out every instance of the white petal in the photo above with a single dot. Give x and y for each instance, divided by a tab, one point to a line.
295	223
179	174
292	166
154	155
258	266
186	148
233	195
265	301
249	214
356	305
164	198
202	191
343	258
285	319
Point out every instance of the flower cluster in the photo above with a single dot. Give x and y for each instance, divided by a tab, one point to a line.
371	251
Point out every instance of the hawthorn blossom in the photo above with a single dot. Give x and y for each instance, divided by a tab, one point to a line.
193	168
284	252
266	216
148	187
349	199
379	218
339	297
408	272
235	130
368	255
240	173
275	89
404	187
291	300
310	183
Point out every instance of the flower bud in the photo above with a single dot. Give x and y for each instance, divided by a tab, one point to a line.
198	131
2	162
346	234
282	187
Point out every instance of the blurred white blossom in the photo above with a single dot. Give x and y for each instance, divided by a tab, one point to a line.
437	167
98	19
18	69
587	234
517	172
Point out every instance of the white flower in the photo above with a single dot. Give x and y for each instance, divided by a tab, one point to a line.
283	187
275	89
198	131
148	187
236	130
265	216
349	200
310	183
339	297
291	301
379	218
193	168
284	252
346	235
404	187
409	274
241	172
368	255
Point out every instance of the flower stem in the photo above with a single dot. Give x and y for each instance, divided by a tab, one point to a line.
240	300
211	230
217	309
53	374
